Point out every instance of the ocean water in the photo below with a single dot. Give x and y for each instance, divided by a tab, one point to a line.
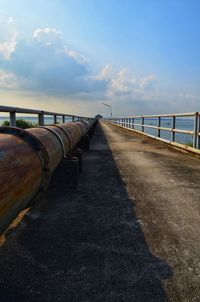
48	120
181	123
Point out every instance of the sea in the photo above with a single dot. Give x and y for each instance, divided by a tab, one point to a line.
181	123
48	120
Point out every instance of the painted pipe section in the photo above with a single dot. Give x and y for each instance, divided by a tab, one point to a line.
28	159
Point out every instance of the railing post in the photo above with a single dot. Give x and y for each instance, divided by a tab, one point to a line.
72	118
142	123
55	119
63	118
196	130
133	122
173	128
13	119
41	118
159	124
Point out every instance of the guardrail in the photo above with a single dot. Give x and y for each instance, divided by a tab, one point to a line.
40	114
130	122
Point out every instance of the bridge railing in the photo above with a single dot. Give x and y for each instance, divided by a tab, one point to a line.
40	115
154	125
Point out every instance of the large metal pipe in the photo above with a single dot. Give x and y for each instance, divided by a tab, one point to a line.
28	159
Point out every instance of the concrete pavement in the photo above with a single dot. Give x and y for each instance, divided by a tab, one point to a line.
129	233
165	186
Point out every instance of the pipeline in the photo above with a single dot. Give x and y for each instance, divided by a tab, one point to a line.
27	160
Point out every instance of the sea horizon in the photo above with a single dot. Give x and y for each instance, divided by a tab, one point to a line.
181	123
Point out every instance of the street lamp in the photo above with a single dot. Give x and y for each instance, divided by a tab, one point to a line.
108	106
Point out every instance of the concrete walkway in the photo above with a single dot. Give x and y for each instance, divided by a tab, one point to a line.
129	233
165	187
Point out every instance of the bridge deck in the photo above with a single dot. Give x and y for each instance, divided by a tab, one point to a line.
129	233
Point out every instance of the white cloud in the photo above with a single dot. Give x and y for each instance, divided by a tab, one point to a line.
7	80
45	65
189	96
8	36
105	74
10	20
124	85
75	55
147	80
47	34
8	47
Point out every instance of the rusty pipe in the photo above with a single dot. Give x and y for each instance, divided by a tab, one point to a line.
28	159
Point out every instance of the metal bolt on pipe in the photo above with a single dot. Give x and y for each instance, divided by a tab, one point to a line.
28	159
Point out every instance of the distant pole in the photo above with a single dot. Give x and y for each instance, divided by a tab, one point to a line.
108	106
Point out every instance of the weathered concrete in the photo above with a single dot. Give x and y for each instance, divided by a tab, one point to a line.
165	185
88	245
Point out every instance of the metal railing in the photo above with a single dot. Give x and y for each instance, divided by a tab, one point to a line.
40	115
131	122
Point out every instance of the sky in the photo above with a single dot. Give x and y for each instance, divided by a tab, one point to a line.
70	56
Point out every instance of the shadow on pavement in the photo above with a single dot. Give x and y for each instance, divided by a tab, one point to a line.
85	245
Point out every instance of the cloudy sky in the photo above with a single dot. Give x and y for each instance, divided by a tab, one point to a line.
139	56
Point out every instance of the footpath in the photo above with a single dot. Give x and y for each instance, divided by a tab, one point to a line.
130	232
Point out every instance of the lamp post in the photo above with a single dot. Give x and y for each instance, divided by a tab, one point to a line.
108	106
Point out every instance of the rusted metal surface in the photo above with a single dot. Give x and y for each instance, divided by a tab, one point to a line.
20	177
74	132
51	144
85	125
63	136
21	166
58	137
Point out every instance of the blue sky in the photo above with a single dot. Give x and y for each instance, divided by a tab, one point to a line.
138	56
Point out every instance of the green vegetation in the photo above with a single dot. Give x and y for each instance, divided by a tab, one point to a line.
21	124
189	144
